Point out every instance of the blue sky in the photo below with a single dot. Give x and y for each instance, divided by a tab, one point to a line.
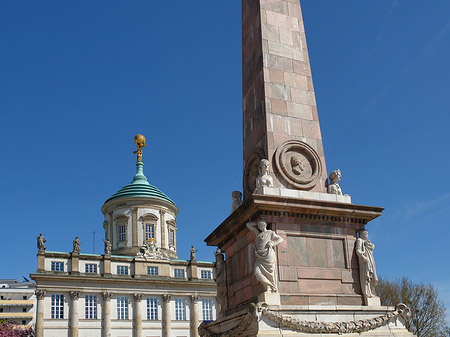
78	79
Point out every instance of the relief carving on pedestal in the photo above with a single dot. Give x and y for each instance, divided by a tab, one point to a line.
298	164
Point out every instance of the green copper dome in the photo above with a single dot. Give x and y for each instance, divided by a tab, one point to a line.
140	187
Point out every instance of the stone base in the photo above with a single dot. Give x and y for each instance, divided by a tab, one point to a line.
287	192
249	325
372	301
270	298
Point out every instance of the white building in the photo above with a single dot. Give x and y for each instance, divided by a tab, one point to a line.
17	301
138	288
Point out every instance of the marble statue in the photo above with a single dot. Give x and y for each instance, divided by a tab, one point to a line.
265	265
107	247
221	280
193	251
237	200
333	187
264	178
76	245
40	242
367	271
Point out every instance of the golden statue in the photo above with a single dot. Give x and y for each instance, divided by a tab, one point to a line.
139	140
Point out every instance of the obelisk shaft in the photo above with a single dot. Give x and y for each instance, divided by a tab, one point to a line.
278	96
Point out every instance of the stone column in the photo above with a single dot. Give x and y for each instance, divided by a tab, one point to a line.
137	313
73	322
40	294
167	319
163	228
135	242
106	314
194	315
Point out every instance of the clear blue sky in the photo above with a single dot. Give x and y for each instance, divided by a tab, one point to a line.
78	79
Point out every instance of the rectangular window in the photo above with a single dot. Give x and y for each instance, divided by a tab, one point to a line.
180	309
57	307
90	268
24	309
149	231
25	297
122	307
178	273
122	270
90	307
152	270
57	266
152	308
122	233
206	274
171	237
207	309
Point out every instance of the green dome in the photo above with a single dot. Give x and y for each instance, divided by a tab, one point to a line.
140	187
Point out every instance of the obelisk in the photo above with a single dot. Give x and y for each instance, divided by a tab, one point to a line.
290	258
280	120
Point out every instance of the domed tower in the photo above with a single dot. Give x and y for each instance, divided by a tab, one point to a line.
139	218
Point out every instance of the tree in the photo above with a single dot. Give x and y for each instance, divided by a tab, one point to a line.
12	329
428	316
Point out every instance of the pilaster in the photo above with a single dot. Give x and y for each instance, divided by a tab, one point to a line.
135	242
75	257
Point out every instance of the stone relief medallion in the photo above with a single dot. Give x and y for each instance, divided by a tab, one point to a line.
251	171
298	164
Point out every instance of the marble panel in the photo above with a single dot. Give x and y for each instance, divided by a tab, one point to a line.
317	252
297	251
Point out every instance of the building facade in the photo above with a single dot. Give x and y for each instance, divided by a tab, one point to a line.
17	302
138	287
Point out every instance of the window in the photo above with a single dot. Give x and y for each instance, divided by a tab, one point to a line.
24	309
152	270
149	231
122	233
205	274
207	309
25	297
180	309
90	268
178	273
57	266
24	322
122	270
171	237
57	307
1	309
122	307
90	307
152	308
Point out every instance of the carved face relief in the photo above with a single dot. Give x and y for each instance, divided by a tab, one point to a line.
297	165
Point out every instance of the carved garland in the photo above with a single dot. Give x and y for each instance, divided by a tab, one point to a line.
255	311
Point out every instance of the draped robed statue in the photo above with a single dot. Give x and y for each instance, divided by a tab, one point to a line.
266	260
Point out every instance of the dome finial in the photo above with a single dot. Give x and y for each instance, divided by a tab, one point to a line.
139	140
